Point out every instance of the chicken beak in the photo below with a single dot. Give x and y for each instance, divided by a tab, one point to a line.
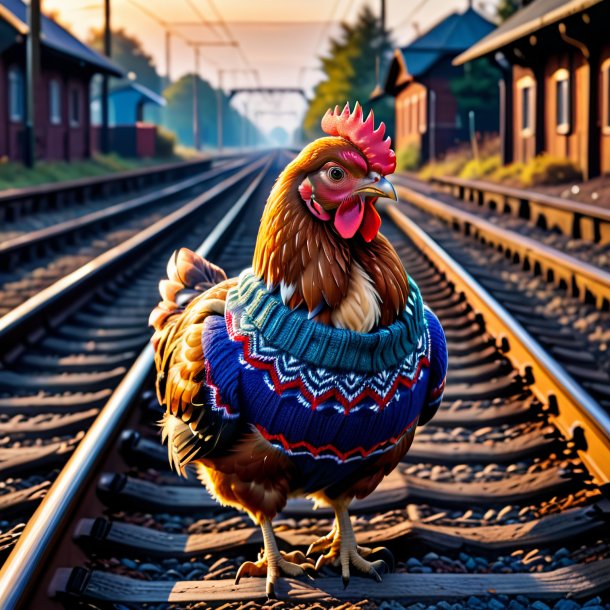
382	188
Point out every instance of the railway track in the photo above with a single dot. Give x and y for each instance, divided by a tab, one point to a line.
571	218
65	350
501	502
32	260
531	280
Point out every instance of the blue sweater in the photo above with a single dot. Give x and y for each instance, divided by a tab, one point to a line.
329	398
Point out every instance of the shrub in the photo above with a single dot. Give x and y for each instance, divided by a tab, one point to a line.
480	168
408	158
508	173
165	143
546	169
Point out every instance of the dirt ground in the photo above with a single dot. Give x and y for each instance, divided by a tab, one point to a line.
594	192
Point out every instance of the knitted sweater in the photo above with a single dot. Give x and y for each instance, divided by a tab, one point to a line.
329	398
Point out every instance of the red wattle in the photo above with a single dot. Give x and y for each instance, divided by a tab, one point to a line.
372	221
348	217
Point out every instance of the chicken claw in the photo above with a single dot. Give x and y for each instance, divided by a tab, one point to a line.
274	563
323	543
344	552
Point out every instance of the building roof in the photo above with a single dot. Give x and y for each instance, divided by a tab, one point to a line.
448	37
529	19
452	35
55	37
145	93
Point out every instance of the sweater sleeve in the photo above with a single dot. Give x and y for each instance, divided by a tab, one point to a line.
438	367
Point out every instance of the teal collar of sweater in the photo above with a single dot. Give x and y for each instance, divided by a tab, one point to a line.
322	345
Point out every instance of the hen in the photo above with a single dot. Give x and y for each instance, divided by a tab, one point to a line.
307	374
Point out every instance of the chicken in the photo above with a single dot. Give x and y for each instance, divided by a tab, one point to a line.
307	374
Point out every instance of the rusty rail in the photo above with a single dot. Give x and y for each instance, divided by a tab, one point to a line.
573	411
15	203
572	218
587	282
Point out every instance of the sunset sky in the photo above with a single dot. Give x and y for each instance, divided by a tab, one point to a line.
281	38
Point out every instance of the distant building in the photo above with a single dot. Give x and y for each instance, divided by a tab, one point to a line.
127	102
420	77
63	122
555	56
130	135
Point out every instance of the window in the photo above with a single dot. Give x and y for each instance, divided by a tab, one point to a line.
526	87
74	107
526	108
606	96
54	102
15	94
562	101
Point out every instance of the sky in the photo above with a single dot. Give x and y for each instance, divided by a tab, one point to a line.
282	39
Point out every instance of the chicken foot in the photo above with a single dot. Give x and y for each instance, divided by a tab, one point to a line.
343	550
274	563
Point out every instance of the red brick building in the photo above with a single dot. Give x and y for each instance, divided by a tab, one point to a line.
555	58
420	77
62	121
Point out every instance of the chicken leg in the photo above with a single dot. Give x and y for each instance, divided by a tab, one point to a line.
273	563
343	550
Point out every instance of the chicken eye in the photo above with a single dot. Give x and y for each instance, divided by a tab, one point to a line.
336	174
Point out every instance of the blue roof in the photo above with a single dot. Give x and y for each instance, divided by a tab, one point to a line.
57	38
455	34
143	92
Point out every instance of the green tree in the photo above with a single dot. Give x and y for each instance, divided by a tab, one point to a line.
179	115
129	54
350	70
477	90
506	8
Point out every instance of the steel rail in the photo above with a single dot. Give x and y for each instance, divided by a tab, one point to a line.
32	239
580	278
31	197
575	410
573	218
45	525
57	301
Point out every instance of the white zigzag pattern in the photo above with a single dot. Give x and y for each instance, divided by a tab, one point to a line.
318	381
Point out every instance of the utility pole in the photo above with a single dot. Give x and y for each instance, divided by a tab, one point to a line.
378	58
168	40
196	135
197	46
32	75
219	113
105	80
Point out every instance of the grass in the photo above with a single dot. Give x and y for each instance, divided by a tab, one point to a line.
542	170
15	175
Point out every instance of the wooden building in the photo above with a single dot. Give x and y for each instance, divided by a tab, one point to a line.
420	77
130	135
555	61
62	103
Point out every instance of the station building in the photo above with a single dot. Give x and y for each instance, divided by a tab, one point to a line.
555	93
420	78
63	118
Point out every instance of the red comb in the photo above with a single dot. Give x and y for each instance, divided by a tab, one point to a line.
363	135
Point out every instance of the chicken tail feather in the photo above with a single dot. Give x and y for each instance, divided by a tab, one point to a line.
188	275
182	443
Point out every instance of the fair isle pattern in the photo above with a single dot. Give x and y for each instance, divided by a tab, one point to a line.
320	385
329	451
